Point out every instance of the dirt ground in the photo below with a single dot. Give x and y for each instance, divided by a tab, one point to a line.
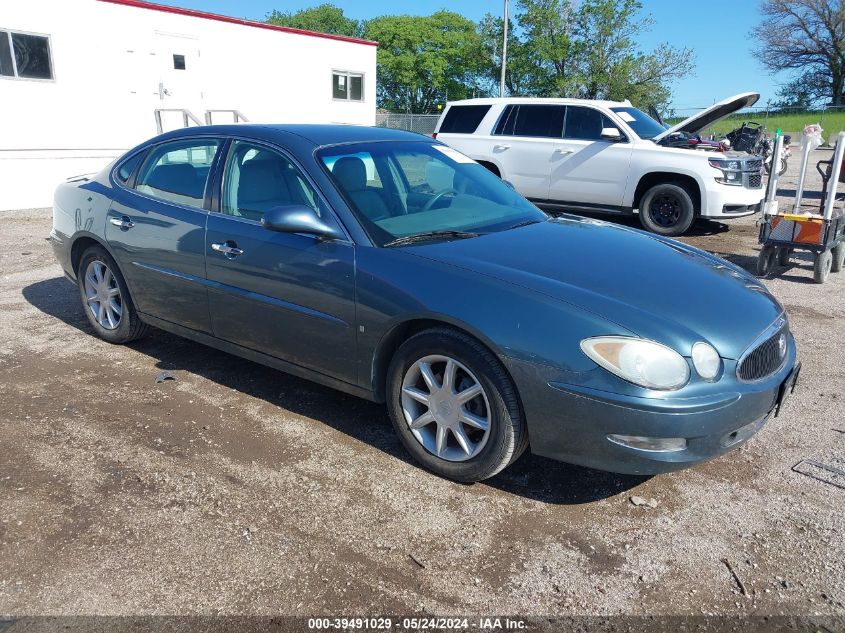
236	489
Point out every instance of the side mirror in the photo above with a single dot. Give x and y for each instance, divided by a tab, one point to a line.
611	134
297	218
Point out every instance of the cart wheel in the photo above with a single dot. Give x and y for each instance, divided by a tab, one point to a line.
821	270
783	256
838	257
766	260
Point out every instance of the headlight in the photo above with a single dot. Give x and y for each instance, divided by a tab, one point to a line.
636	360
731	170
706	360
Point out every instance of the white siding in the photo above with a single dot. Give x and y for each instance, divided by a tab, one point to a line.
108	61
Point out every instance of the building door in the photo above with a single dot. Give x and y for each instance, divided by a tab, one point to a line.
179	78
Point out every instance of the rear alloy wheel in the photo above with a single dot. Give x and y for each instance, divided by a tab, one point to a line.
454	407
822	266
667	209
838	257
105	298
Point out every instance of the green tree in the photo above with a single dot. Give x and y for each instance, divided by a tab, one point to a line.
523	76
324	18
425	60
589	50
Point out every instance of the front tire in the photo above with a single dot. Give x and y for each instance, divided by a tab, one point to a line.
822	266
105	298
766	260
454	407
667	209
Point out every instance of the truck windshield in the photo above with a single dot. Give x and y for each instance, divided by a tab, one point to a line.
403	191
640	122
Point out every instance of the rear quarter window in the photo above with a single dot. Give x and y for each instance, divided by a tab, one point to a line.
463	119
124	172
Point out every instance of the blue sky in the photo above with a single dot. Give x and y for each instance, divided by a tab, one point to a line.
716	30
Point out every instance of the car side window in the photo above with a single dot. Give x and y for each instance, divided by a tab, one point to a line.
257	179
124	172
585	124
177	172
544	121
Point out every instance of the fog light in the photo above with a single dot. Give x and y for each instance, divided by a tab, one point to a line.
655	444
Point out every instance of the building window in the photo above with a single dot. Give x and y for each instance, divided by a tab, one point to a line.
25	56
179	62
348	86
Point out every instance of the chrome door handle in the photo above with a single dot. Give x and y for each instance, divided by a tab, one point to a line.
124	223
227	250
563	152
501	147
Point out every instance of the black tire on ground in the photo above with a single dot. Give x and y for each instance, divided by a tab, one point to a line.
783	255
822	266
783	166
766	260
667	209
129	326
838	254
508	436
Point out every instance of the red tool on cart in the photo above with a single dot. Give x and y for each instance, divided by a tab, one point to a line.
820	231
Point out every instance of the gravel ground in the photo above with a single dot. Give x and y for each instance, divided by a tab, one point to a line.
236	489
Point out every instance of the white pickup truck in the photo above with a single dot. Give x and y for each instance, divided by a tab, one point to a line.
608	156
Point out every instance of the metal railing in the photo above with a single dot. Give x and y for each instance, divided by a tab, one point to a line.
187	116
236	114
419	123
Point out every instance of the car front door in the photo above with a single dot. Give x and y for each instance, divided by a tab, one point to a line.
288	295
156	231
524	143
587	169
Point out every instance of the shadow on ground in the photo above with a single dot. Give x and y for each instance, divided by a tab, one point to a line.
531	476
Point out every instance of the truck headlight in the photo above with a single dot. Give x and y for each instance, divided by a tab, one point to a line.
731	170
706	360
644	363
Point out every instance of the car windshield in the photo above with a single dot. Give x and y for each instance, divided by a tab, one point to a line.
640	122
414	189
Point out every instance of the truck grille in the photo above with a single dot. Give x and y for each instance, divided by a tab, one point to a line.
754	165
755	181
766	358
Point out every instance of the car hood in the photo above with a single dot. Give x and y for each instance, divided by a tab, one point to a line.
718	111
651	286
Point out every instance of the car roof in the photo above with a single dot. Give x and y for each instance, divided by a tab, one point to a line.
552	100
316	134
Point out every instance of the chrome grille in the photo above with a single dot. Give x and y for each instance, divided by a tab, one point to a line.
755	181
754	165
766	358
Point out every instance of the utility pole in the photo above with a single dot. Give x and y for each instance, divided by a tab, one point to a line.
504	52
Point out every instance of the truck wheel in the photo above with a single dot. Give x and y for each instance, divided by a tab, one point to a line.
766	260
822	267
667	209
838	257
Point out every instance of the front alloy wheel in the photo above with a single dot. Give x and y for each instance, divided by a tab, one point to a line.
454	406
446	408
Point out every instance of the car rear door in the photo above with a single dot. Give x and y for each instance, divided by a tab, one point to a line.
156	231
585	168
526	138
291	296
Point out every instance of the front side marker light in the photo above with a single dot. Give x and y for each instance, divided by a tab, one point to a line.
653	444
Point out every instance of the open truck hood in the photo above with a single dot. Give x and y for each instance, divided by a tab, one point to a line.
718	111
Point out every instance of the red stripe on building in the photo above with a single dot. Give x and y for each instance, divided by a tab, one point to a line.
141	4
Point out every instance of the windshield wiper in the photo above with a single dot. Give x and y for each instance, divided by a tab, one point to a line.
523	223
431	235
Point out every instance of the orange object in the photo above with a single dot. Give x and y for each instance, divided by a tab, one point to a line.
810	230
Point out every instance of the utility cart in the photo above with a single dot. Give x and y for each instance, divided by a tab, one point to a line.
817	230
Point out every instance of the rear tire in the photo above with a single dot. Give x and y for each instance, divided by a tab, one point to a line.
838	257
783	256
105	298
822	266
667	209
766	260
469	452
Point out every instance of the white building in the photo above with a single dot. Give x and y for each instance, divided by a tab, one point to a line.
81	80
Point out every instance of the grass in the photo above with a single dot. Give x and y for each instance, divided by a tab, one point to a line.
792	123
